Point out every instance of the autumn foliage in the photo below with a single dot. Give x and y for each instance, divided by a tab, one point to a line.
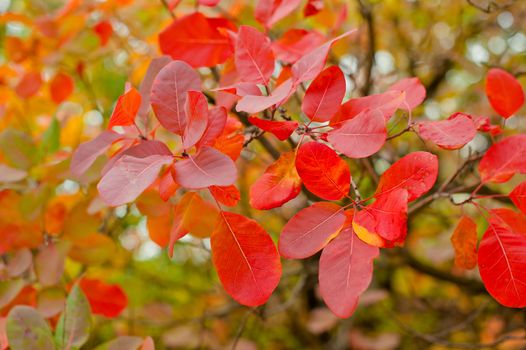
231	124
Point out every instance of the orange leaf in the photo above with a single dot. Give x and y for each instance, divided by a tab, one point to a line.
279	184
464	240
126	109
61	87
105	299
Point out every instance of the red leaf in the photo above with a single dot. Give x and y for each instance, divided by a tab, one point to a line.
104	30
86	154
281	129
346	270
504	159
279	184
502	257
310	230
452	133
518	196
245	258
254	104
216	124
169	94
61	87
253	56
105	299
208	167
464	240
387	102
504	92
268	12
383	223
227	195
197	40
361	136
310	65
312	7
129	177
126	109
322	171
196	111
324	95
29	85
415	92
416	172
296	43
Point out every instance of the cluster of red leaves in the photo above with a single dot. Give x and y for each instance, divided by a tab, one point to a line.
350	234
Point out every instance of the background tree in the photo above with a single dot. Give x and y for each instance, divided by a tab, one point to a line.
222	174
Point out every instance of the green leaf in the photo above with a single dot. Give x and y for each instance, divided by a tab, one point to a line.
51	138
74	325
18	149
9	289
27	330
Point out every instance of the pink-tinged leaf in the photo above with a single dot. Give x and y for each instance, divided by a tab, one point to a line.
253	56
197	40
254	104
384	223
141	150
269	12
217	117
227	195
415	172
208	167
312	7
346	270
86	154
245	258
169	93
518	197
310	65
322	171
504	159
210	3
145	88
8	174
387	102
361	136
296	43
129	177
126	109
415	92
452	133
279	184
324	95
196	109
167	185
49	263
504	92
502	257
464	240
310	230
281	129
